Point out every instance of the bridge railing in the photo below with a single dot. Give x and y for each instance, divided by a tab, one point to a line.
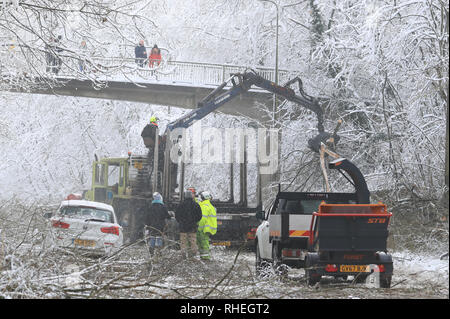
175	71
126	69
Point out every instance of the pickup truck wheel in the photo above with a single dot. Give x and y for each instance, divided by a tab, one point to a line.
311	275
260	265
278	267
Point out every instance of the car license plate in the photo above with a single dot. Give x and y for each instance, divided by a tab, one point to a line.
354	268
84	243
222	243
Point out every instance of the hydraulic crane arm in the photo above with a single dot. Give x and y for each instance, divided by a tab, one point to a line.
288	93
242	82
208	105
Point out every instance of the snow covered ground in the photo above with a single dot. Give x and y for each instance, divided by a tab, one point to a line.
38	273
421	272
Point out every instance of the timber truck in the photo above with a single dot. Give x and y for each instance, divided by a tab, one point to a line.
128	183
326	233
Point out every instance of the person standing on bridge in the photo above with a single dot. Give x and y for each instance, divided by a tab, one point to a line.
140	53
155	57
82	58
58	49
53	60
207	225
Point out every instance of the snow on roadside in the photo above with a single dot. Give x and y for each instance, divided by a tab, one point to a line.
417	271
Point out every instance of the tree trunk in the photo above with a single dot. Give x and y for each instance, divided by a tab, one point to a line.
446	195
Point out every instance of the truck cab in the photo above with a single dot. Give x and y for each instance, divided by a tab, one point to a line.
118	177
109	178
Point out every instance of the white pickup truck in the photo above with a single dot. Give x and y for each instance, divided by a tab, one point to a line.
282	237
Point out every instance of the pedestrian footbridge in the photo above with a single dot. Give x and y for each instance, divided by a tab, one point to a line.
173	83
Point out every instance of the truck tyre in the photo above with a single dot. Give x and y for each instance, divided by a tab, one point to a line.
311	275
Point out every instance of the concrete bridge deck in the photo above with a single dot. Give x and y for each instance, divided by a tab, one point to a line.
157	93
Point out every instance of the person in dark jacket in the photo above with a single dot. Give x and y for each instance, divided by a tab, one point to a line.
149	132
140	53
188	214
53	60
155	222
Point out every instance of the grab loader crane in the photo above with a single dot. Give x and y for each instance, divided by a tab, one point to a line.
241	83
139	176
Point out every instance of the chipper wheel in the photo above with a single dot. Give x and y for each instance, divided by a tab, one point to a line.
385	280
386	276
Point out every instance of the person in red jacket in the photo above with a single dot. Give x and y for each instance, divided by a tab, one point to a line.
155	57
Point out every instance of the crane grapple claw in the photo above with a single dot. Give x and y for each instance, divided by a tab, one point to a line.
324	137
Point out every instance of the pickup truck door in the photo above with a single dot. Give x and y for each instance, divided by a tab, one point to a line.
265	248
263	232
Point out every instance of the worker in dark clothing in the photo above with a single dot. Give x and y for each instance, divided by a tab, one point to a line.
149	137
155	222
149	132
140	53
188	214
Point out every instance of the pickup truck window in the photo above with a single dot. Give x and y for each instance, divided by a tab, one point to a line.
299	207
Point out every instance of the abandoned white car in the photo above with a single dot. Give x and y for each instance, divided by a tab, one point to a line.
88	226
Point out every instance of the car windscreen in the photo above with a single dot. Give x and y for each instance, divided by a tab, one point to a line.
86	213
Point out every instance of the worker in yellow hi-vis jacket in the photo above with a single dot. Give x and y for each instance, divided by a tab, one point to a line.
207	225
